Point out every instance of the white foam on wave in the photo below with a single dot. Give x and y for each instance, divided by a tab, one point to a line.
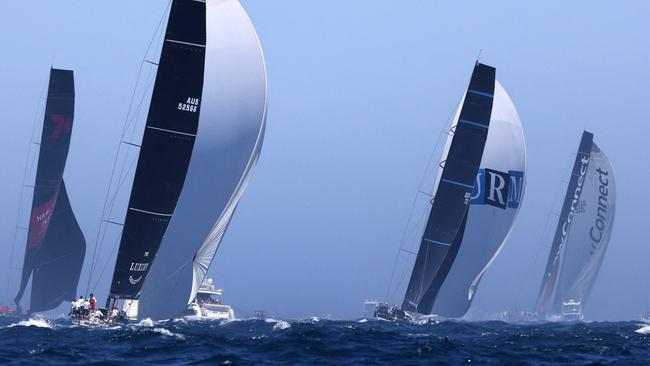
146	322
279	324
38	323
114	327
179	320
643	330
166	333
364	320
311	320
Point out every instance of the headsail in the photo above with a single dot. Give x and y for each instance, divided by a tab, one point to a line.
167	144
229	140
448	217
583	230
55	244
496	200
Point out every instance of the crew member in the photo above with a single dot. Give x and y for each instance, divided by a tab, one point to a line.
92	302
115	313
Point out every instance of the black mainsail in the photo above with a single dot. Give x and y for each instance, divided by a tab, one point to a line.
445	225
55	246
166	148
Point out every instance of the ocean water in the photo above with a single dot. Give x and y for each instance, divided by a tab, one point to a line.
323	342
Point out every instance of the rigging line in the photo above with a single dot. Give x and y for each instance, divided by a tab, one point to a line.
92	263
124	128
40	112
419	228
101	274
154	37
103	236
136	114
410	217
129	128
428	172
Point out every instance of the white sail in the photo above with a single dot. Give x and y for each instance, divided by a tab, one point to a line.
588	236
228	141
494	206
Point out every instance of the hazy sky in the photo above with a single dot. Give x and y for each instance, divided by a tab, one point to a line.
358	92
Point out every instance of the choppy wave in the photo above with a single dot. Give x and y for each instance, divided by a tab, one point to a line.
645	329
321	341
278	324
38	323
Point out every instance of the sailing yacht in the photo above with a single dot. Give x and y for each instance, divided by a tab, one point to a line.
55	247
476	198
201	142
581	236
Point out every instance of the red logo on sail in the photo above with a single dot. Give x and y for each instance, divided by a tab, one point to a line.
61	125
40	221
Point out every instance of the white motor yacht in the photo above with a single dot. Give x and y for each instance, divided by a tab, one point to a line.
207	305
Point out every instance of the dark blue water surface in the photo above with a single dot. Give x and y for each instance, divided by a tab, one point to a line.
323	342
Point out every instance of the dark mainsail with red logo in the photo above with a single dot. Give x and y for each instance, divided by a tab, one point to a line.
55	247
447	218
166	148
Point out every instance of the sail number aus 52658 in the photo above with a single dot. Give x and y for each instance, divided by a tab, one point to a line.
191	105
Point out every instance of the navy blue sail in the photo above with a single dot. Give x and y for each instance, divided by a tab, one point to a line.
55	246
452	197
166	148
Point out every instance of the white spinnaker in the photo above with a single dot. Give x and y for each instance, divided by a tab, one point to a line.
487	225
229	138
590	230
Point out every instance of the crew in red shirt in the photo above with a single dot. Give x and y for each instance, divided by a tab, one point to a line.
92	302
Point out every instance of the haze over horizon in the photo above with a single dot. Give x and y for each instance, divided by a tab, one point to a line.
358	94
